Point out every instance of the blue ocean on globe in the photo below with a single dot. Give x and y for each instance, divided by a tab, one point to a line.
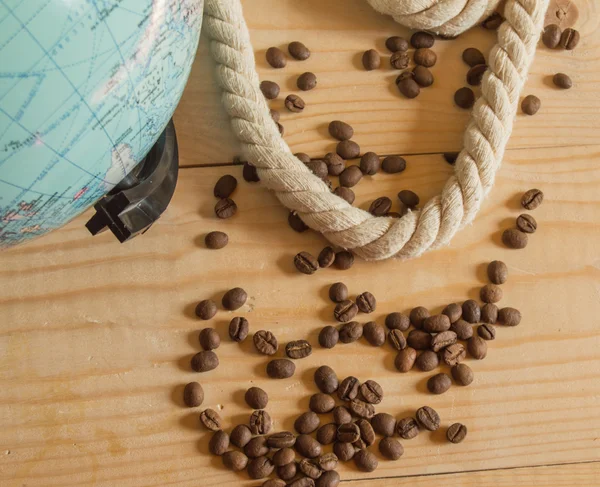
86	88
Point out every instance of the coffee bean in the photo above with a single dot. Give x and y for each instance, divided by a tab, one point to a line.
475	74
276	57
410	89
326	379
310	468
384	424
265	342
397	321
366	302
569	39
240	435
296	223
281	368
463	375
530	105
427	361
532	199
407	428
234	299
348	149
302	482
270	90
306	263
249	173
287	472
451	157
225	186
206	309
256	447
551	36
404	75
298	349
453	354
328	337
335	164
369	163
471	312
285	455
463	329
393	164
274	483
514	239
396	43
405	359
563	81
340	130
343	260
428	418
307	423
473	56
425	57
456	433
453	311
260	422
422	39
298	51
341	415
283	439
418	315
210	419
205	361
497	272
391	448
371	392
216	240
486	331
235	461
509	316
489	313
338	292
294	103
256	398
399	60
281	129
275	115
491	293
219	443
419	340
343	450
374	333
408	198
328	462
397	339
477	347
367	435
362	409
371	60
381	206
345	193
328	479
327	434
304	158
193	395
321	403
493	21
436	324
350	176
350	332
345	311
422	76
464	98
209	339
308	447
365	461
238	329
526	223
443	340
260	468
348	388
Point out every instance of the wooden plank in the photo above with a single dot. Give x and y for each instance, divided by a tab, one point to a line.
337	34
96	337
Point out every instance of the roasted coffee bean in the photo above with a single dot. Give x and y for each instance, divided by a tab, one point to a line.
335	164
477	347
256	398
209	339
422	39
362	409
408	198
425	57
260	468
366	432
428	418
514	238
238	329
399	60
374	333
407	428
219	443
329	337
281	368
341	415
418	315
308	447
489	313
306	81
381	206
204	361
345	311
276	57
422	76
305	158
450	157
340	130
497	272
235	461
509	316
562	80
366	302
216	240
396	339
240	435
473	56
287	472
318	168
193	395
384	424
344	260
249	173
462	374
526	223
397	321
210	419
285	455
419	340
371	392
369	163
296	223
298	349
307	423
371	60
405	359
283	439
463	329
260	422
281	128
551	36
326	379
427	361
456	433
343	450
345	193
302	482
393	164
298	51
443	340
328	462
365	461
569	39
225	208
270	90
326	257
475	74
294	103
275	115
234	299
436	324
391	448
350	176
256	447
265	342
493	21
453	311
338	292
310	468
327	434
321	403
274	483
348	388
471	312
532	199
486	331
396	43
410	89
464	98
350	332
206	309
453	354
306	263
491	293
404	75
531	104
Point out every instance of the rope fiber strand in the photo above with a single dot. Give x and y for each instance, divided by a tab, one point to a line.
370	237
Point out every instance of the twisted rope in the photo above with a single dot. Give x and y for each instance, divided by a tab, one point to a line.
375	238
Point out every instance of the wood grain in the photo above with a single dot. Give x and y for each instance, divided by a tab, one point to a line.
96	337
337	34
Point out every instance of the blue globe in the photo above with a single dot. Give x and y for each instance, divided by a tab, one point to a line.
86	88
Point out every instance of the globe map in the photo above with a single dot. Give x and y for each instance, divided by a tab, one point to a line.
86	88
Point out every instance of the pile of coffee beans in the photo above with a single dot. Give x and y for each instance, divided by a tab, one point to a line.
517	238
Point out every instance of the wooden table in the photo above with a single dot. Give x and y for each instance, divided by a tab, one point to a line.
96	337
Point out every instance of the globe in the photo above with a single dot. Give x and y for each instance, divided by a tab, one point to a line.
86	88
